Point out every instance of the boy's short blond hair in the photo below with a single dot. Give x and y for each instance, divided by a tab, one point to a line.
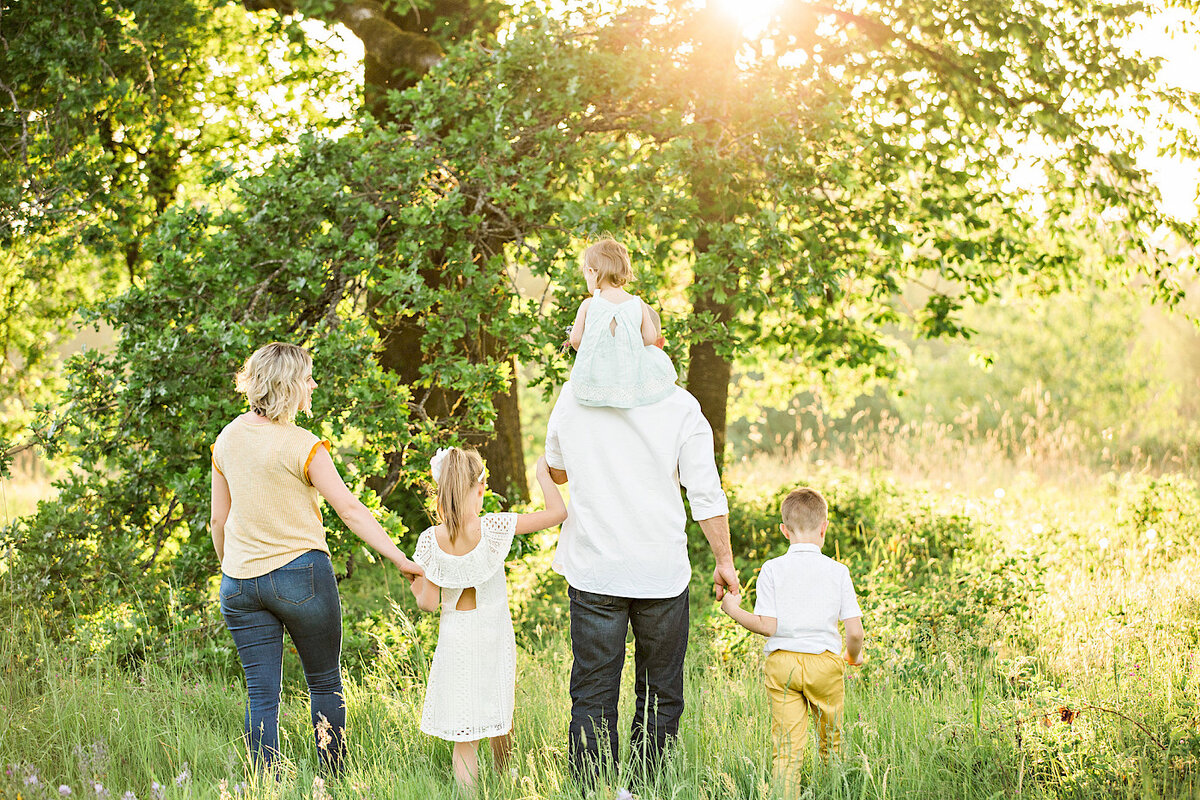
610	259
804	510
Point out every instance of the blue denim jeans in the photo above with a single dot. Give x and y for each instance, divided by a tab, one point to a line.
301	597
599	623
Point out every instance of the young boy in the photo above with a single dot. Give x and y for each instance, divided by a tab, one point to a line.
801	597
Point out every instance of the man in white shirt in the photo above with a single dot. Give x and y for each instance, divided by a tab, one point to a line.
623	551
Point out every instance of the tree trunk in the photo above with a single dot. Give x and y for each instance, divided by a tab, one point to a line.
709	372
504	451
395	58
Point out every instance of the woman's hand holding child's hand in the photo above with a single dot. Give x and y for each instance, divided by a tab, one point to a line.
411	569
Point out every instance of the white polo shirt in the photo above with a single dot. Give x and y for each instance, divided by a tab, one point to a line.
624	533
808	593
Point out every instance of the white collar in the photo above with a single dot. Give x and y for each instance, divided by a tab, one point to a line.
804	547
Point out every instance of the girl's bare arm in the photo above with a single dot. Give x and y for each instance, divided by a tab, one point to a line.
580	320
649	329
427	593
556	509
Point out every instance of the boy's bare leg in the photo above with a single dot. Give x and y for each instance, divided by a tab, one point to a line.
466	763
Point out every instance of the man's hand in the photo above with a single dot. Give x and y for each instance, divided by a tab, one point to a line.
725	579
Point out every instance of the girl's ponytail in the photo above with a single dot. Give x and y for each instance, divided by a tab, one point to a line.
460	474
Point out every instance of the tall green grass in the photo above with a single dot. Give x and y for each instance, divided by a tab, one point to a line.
1086	688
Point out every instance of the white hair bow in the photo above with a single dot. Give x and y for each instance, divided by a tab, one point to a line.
435	463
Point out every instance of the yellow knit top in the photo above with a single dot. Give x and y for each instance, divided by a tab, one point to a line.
274	515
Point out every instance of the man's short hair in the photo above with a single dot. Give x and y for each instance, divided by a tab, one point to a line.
804	510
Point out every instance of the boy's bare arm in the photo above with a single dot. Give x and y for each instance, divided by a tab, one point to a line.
755	623
854	640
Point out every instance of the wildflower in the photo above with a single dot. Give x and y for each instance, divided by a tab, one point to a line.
157	790
318	789
324	739
999	493
239	788
101	792
1103	544
184	776
1037	528
624	794
223	788
32	779
64	790
1151	534
129	795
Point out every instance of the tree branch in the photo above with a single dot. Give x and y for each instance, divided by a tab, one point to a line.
382	39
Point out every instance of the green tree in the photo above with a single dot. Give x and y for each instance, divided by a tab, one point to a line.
777	193
813	171
109	113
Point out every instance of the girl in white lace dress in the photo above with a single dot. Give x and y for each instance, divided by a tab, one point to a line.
618	363
473	676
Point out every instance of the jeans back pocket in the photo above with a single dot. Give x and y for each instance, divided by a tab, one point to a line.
230	587
294	584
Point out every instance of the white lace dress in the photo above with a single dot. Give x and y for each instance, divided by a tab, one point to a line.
472	680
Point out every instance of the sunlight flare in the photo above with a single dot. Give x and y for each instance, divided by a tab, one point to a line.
752	15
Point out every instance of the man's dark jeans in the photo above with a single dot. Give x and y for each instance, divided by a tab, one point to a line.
599	623
301	596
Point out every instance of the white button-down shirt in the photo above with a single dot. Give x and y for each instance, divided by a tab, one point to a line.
624	533
808	593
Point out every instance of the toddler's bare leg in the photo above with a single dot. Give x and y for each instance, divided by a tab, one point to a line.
466	763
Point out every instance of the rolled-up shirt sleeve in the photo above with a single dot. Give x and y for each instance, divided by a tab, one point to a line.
698	471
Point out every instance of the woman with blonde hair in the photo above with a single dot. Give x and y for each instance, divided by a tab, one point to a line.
269	536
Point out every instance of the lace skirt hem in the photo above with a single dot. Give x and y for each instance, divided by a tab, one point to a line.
458	735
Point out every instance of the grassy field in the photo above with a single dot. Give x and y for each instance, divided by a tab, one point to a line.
1033	630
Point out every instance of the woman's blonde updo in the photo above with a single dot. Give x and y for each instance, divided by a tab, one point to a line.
461	472
275	381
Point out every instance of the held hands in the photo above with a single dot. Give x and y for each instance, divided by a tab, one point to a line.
411	569
731	601
542	469
725	580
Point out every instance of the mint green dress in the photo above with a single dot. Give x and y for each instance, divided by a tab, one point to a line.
613	368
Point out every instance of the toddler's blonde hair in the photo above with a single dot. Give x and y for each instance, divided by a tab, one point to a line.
461	474
275	381
804	510
610	259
